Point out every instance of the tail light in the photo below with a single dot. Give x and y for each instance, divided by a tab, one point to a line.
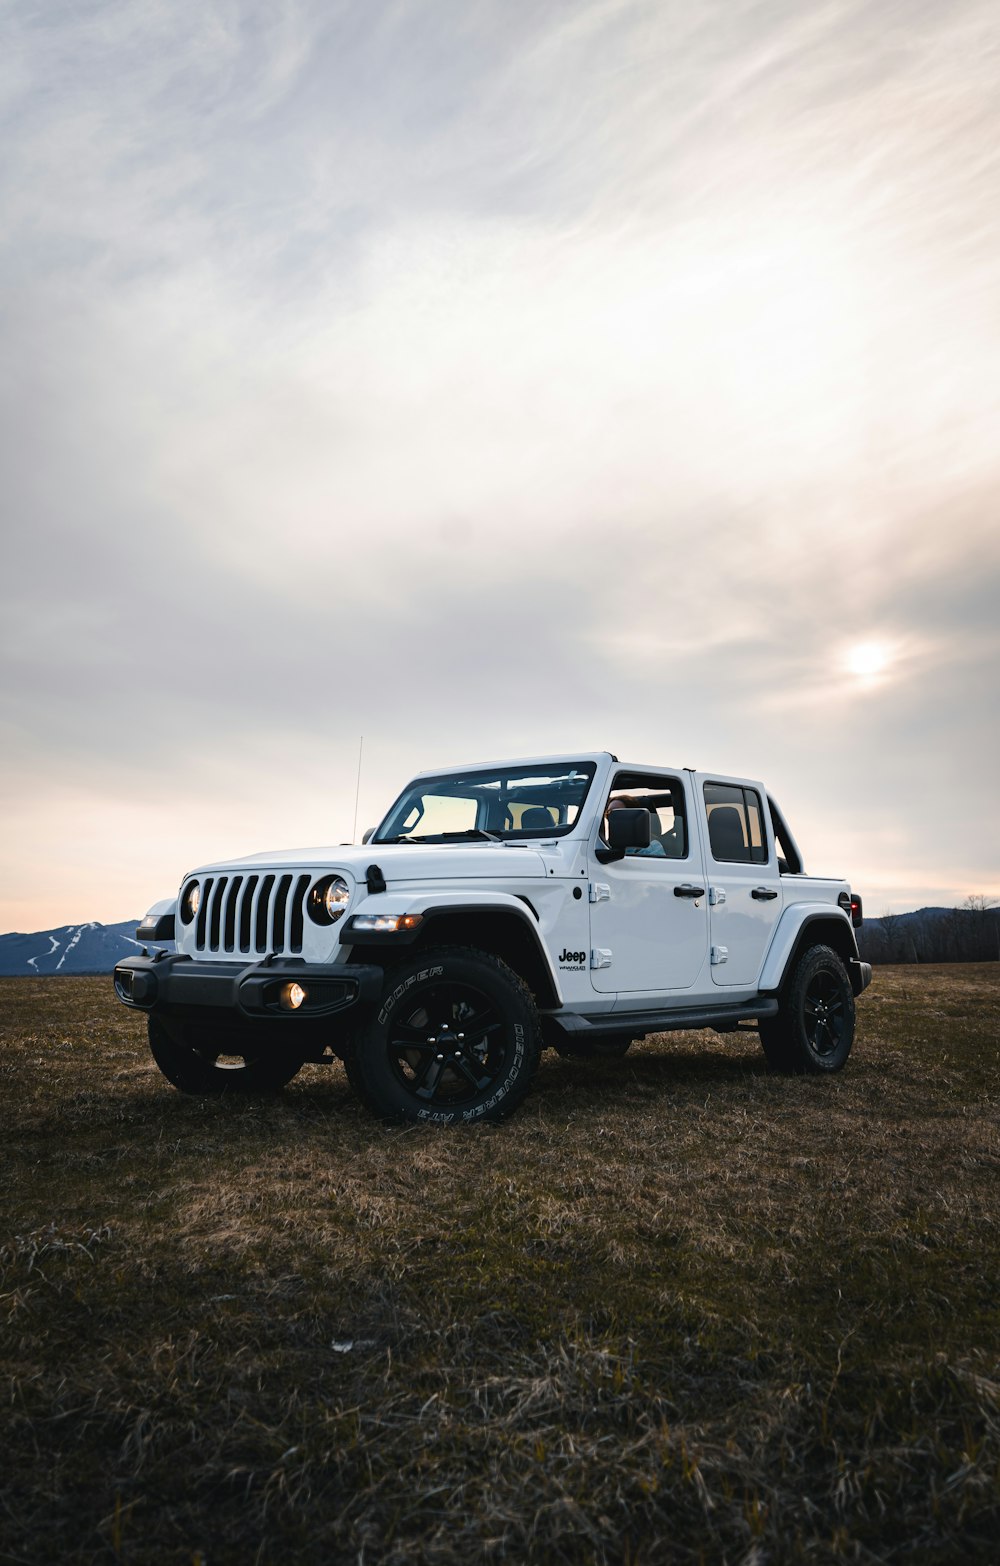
850	902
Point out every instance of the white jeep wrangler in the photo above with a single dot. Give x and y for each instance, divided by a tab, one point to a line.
571	901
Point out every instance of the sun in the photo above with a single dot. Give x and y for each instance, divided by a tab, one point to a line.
867	659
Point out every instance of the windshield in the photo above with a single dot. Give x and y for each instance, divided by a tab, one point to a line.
503	804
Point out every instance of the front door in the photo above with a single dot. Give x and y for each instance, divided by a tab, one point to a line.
647	934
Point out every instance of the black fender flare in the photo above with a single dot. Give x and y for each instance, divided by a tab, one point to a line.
507	930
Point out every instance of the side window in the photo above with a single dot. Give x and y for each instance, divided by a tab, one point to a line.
735	824
664	799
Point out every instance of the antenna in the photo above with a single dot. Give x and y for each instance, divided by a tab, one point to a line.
357	791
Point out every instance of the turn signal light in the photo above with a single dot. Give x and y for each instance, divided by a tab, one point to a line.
385	924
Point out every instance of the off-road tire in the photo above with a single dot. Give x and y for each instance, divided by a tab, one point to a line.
455	1040
814	1029
189	1057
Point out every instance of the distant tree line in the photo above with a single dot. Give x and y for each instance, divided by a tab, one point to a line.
967	934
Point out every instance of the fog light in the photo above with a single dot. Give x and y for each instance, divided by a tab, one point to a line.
292	996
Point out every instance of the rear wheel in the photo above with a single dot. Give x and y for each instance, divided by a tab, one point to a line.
455	1039
814	1029
197	1061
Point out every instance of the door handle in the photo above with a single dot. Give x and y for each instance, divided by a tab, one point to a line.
763	894
689	891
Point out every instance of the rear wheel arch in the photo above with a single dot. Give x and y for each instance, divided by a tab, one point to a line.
819	931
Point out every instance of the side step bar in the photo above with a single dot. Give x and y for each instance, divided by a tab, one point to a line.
639	1023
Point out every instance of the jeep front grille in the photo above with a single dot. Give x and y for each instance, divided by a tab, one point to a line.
251	914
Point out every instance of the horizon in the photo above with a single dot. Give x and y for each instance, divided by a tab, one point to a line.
106	924
488	382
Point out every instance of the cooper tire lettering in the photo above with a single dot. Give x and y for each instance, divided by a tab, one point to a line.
390	1001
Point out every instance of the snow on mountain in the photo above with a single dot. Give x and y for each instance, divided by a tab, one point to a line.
73	948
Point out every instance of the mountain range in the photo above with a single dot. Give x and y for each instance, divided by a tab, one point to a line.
927	935
72	948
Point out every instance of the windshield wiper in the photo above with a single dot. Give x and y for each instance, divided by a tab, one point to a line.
442	837
478	832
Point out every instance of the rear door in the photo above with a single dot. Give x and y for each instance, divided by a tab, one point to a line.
744	887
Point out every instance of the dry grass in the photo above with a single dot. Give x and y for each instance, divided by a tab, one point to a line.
676	1310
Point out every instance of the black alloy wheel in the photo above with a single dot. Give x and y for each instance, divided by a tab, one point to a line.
814	1028
455	1039
199	1062
445	1046
825	1013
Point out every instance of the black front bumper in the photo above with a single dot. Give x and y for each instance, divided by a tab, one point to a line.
173	985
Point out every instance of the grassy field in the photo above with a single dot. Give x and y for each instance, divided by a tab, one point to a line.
676	1310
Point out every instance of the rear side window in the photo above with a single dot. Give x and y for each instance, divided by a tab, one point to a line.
735	824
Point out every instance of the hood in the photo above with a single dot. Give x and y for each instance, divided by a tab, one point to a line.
398	861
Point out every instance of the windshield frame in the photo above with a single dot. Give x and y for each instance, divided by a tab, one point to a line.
463	784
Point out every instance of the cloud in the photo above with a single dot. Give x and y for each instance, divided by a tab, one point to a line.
489	381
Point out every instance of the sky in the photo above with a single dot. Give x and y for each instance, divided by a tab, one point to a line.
486	379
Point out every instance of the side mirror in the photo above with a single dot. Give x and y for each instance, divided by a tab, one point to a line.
628	829
368	833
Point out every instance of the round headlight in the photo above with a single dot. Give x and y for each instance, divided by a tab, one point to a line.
336	897
190	898
328	899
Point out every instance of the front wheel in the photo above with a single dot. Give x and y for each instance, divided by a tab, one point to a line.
196	1061
814	1029
456	1039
